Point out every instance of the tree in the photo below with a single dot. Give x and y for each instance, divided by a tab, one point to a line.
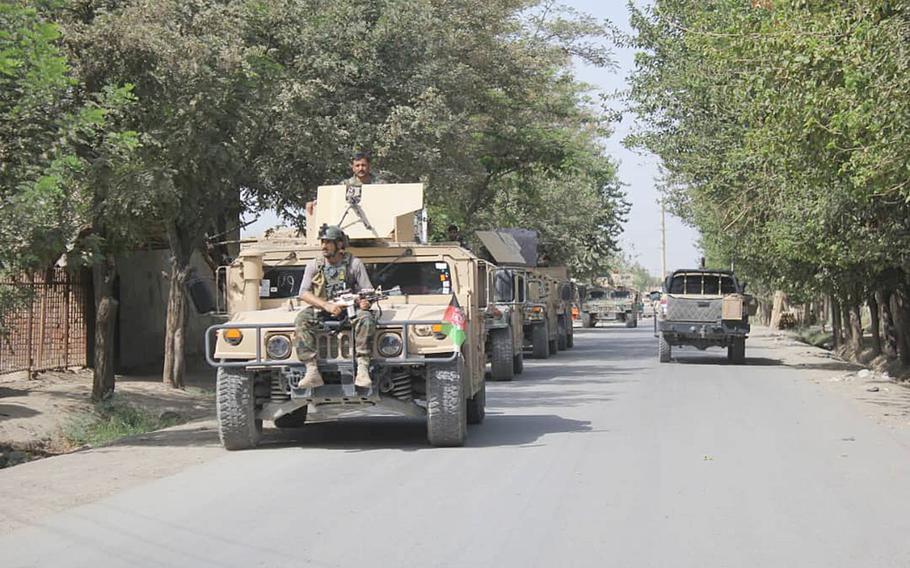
59	155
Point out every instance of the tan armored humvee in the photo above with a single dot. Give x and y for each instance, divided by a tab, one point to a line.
564	295
505	315
416	367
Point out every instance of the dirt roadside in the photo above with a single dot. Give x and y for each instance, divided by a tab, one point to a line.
35	490
35	411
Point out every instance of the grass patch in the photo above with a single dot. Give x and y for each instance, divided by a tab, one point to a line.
815	336
111	420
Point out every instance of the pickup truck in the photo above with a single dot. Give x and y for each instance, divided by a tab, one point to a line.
704	308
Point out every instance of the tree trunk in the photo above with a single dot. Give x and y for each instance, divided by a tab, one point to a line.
836	328
103	275
900	309
846	329
889	343
856	330
780	300
181	243
875	325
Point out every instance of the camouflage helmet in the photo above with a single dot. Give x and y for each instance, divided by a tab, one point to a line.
331	233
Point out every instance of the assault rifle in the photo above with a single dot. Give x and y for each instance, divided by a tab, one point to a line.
350	300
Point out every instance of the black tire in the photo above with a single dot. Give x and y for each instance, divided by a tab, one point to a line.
477	405
518	363
570	334
447	413
540	341
587	321
501	355
736	351
238	427
554	346
562	336
631	322
293	420
663	349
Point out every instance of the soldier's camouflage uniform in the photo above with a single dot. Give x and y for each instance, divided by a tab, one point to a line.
354	180
327	282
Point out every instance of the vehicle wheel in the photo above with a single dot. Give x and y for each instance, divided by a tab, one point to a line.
477	405
295	419
238	427
446	405
736	351
663	349
587	320
562	336
632	322
518	363
501	356
540	341
570	335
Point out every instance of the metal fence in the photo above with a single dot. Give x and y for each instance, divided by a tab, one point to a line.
51	330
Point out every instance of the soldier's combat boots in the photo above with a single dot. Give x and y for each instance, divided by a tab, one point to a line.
312	378
362	379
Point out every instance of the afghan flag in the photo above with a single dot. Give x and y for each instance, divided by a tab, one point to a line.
454	326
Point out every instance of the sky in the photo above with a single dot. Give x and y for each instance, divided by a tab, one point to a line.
641	234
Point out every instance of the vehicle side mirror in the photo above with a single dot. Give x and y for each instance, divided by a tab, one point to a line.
655	296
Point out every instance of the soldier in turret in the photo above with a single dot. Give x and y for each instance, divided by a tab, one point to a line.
326	276
360	167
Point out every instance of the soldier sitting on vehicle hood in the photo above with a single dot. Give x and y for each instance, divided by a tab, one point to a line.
326	276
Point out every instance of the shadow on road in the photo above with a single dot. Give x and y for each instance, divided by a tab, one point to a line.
410	434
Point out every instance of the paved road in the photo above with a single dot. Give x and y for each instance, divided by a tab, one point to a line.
597	457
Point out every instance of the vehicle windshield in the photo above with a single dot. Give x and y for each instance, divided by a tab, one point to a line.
596	295
619	295
416	278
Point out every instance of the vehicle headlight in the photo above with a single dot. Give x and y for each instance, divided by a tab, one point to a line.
423	330
389	345
278	347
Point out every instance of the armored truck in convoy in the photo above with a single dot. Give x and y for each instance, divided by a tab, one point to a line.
610	304
428	355
704	308
562	296
504	322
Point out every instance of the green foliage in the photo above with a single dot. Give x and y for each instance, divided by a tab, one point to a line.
782	130
112	420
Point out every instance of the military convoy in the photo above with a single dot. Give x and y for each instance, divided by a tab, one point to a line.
418	368
704	308
603	304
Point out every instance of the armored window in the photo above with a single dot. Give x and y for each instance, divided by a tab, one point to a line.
619	295
596	295
712	284
727	285
483	284
416	278
694	284
566	292
281	282
503	286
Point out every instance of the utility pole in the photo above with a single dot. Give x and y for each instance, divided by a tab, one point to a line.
663	240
